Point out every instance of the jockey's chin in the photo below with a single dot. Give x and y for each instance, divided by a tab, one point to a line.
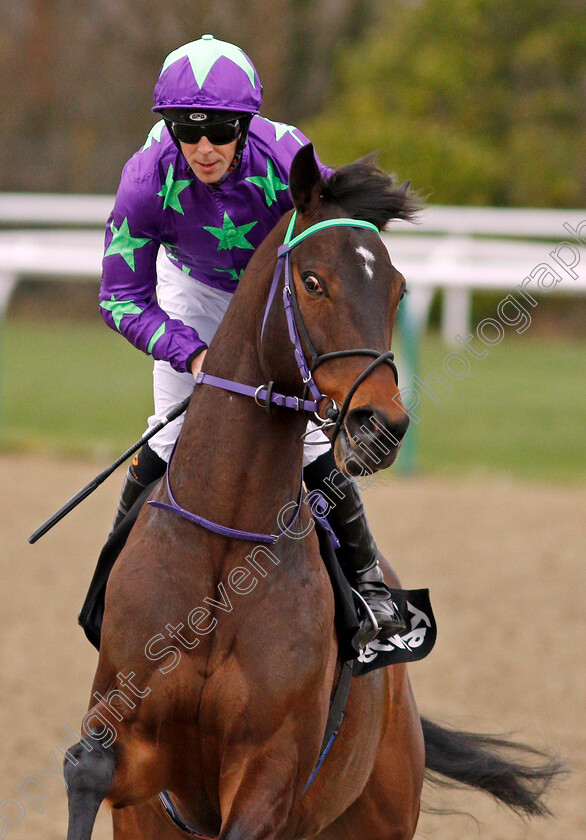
208	162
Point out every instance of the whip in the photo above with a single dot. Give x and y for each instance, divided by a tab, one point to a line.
82	494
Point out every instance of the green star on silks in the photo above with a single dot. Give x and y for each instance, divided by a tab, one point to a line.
204	53
231	236
120	308
154	134
282	128
171	248
234	275
170	191
124	244
269	184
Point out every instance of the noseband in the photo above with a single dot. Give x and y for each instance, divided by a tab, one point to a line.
265	395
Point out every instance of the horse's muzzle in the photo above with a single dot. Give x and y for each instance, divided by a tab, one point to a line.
373	438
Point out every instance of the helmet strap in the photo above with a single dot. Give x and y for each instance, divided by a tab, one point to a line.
173	138
234	165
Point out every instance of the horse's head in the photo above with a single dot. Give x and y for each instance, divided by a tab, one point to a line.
346	292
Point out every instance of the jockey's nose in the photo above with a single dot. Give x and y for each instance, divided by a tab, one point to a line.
204	146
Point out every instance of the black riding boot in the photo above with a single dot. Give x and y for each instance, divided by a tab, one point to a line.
146	467
358	552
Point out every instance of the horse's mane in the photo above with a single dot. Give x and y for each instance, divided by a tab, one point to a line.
364	191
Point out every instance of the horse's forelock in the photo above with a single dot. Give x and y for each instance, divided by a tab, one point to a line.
364	191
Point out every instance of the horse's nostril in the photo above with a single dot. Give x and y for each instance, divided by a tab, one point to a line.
369	427
397	427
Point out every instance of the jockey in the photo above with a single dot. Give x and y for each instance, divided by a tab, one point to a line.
209	184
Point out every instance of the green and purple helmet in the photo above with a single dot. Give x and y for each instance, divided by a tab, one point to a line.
206	76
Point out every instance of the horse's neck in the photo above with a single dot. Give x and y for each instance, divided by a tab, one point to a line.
236	464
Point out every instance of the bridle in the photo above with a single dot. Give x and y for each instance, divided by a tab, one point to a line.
265	395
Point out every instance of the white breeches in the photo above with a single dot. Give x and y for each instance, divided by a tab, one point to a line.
202	308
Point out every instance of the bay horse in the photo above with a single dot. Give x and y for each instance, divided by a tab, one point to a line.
218	654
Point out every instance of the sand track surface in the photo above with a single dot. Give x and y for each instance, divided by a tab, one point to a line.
505	566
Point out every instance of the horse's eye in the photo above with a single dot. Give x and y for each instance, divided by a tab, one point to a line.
312	284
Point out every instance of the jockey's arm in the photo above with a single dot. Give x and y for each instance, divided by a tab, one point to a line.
129	280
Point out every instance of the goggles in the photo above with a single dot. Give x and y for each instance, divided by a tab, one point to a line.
219	134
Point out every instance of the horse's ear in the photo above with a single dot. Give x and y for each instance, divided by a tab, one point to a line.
403	189
305	180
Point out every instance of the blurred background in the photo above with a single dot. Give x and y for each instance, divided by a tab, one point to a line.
482	104
478	102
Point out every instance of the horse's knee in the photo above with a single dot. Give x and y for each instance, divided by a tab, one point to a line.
89	770
89	767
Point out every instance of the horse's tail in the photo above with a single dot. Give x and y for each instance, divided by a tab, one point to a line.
480	761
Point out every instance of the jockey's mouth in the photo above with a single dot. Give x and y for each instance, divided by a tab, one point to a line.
205	166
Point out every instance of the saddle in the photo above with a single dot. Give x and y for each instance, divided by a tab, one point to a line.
92	612
413	644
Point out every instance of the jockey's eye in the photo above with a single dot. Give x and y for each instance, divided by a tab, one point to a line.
313	285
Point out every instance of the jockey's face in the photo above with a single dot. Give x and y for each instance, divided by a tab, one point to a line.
208	162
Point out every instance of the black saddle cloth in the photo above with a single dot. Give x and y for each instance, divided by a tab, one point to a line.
415	643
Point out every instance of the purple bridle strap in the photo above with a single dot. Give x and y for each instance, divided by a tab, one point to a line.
260	395
283	256
306	375
215	527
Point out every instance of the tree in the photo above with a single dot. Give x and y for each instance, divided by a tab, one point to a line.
478	101
81	73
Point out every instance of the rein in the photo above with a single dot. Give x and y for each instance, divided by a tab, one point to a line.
265	395
215	527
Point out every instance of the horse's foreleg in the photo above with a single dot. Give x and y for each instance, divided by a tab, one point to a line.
143	822
89	770
257	797
388	807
